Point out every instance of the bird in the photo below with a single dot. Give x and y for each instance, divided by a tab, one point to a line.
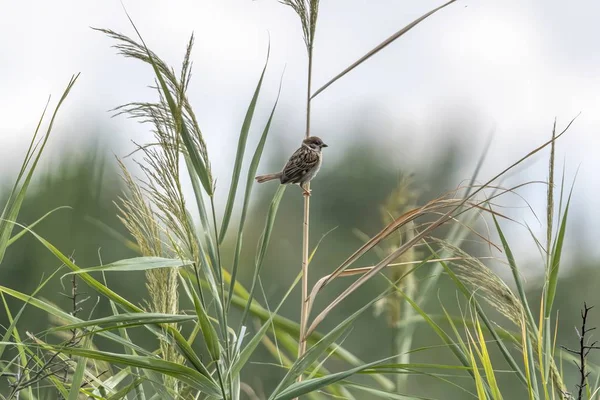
302	166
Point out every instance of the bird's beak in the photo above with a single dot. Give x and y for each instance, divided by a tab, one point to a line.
324	145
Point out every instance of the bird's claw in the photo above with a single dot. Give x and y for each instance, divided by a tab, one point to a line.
306	192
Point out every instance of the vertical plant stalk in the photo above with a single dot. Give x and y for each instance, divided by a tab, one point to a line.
305	229
307	10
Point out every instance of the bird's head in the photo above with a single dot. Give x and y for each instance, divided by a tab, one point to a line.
314	143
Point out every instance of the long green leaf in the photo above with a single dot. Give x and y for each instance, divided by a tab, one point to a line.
184	374
31	226
315	384
515	271
121	394
208	330
239	157
140	318
6	227
555	259
262	250
77	378
489	325
313	353
135	264
256	339
249	184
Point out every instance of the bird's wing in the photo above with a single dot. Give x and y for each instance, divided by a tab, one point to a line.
299	164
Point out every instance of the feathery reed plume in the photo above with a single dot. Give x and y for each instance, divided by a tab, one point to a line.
163	228
308	11
484	282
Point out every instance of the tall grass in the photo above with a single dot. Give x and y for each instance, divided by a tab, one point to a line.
201	353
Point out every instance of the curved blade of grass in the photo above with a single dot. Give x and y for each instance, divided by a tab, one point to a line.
387	395
114	321
196	185
249	184
208	330
380	47
256	339
6	227
77	378
266	237
301	365
458	352
489	325
121	394
31	226
139	390
135	264
315	384
555	259
515	271
185	374
241	148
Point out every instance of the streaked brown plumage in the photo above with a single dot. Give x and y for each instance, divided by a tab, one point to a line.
302	166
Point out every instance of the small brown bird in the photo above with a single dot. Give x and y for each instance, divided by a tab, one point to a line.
302	166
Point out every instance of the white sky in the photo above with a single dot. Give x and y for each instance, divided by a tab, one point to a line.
510	65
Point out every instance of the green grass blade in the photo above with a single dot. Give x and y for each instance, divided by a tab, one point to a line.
489	325
6	227
77	378
555	259
305	362
31	226
256	339
135	264
196	185
209	332
315	384
515	271
122	393
114	321
185	374
266	237
249	184
139	389
239	157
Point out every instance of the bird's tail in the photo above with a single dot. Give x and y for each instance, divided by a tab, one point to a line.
267	177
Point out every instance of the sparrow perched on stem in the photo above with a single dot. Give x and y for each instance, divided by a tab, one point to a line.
302	166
